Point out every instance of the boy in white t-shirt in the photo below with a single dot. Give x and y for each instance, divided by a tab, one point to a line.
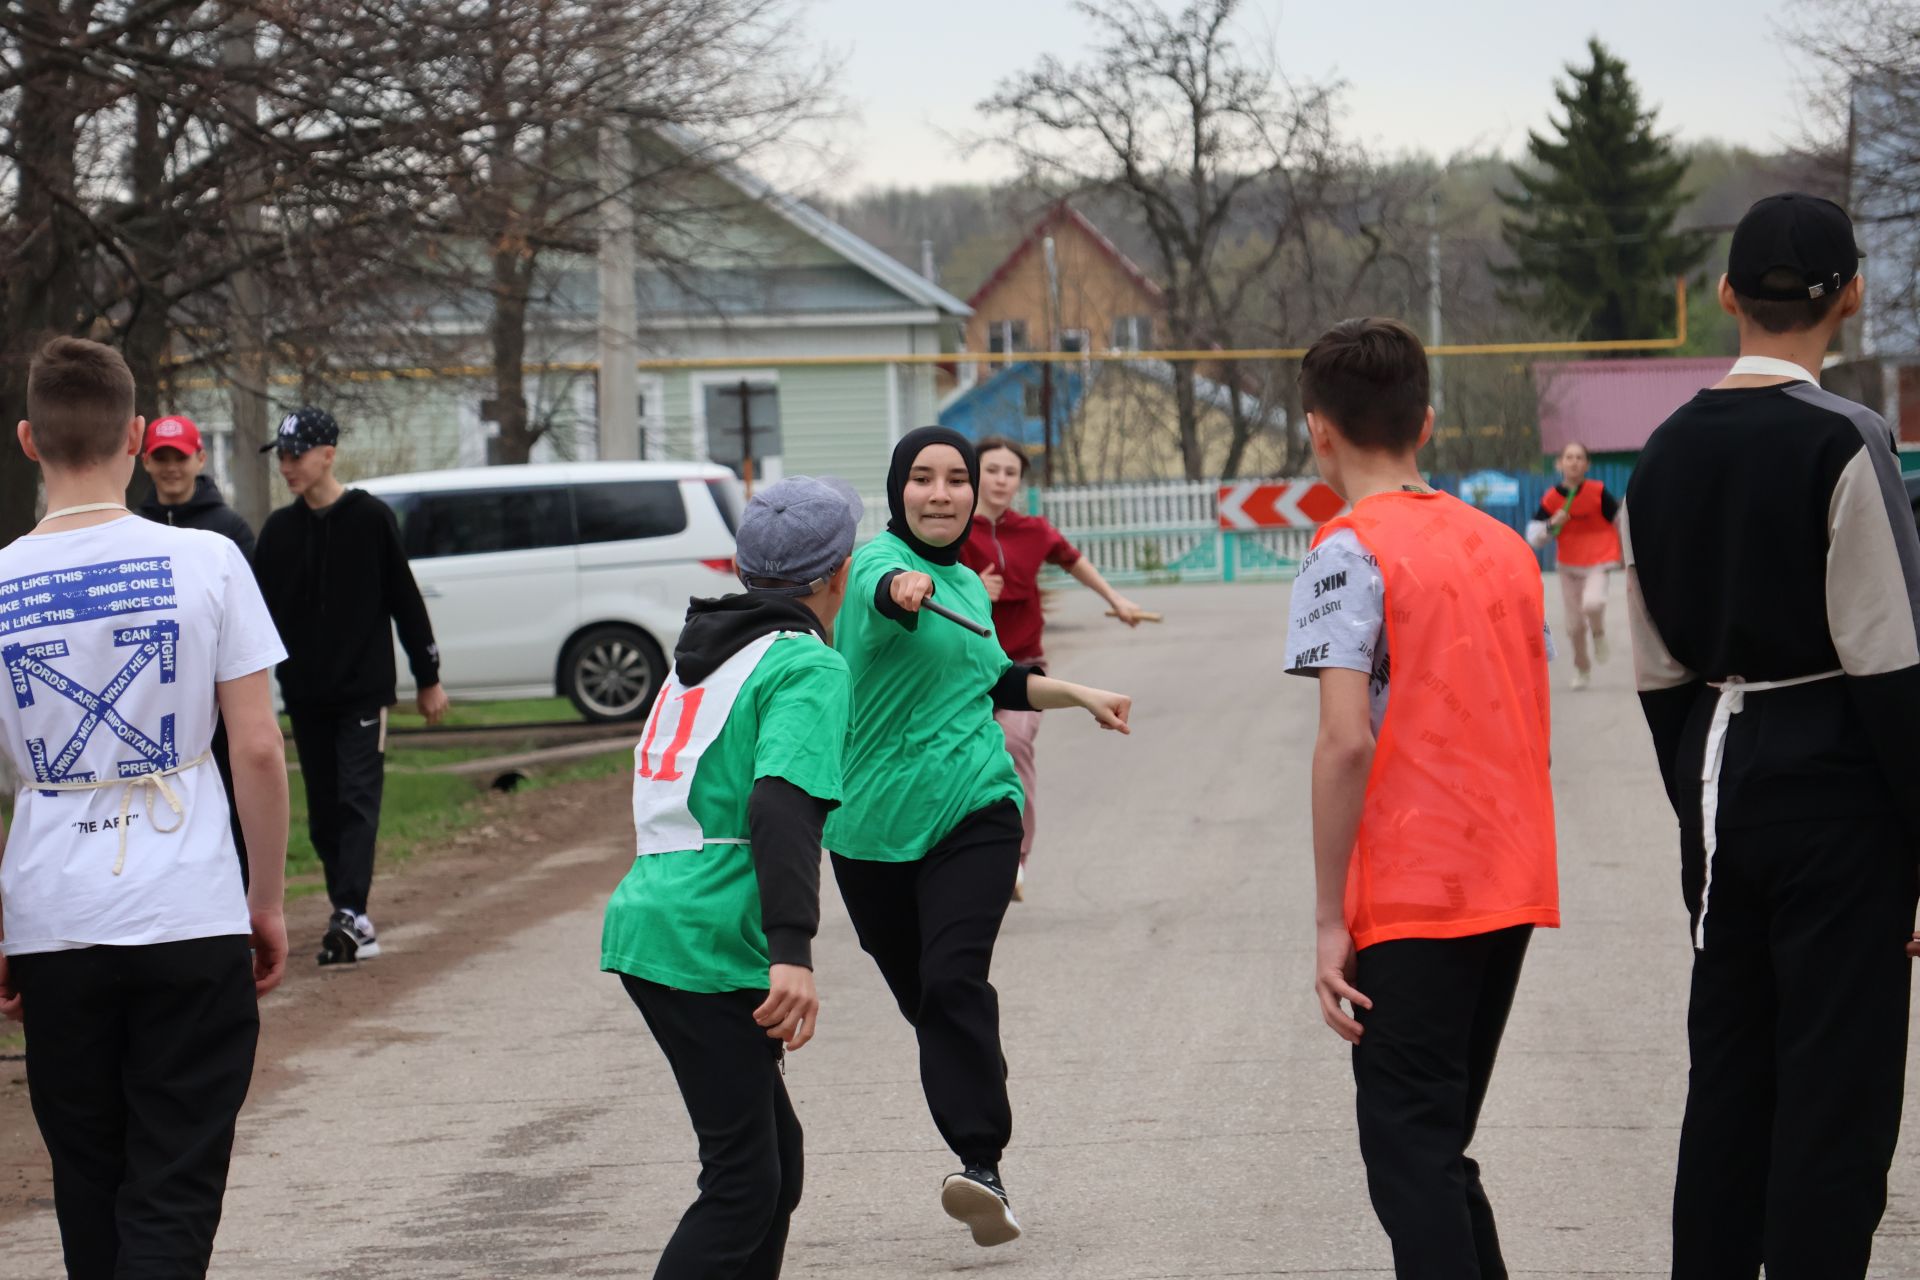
127	944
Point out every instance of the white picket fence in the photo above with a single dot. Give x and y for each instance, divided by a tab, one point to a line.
1157	532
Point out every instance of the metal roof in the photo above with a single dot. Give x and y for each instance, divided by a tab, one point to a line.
1064	212
825	230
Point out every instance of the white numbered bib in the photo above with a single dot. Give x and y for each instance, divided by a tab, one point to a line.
684	723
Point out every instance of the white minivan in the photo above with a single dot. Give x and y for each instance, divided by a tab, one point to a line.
564	577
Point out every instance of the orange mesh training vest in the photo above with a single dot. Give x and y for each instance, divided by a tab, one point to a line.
1456	837
1589	538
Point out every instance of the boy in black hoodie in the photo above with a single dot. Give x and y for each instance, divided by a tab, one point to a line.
711	931
174	457
336	580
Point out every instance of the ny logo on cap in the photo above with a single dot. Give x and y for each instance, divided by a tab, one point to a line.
289	425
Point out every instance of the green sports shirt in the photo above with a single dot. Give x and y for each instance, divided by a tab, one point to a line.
923	751
691	920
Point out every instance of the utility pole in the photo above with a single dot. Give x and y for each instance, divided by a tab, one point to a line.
1046	366
619	338
746	391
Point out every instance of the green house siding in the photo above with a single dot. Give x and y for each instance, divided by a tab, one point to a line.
835	422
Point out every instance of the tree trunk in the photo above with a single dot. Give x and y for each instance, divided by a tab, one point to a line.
143	342
43	293
1186	406
251	367
512	285
1242	425
1299	448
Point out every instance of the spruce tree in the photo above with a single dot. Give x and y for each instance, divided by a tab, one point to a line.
1591	232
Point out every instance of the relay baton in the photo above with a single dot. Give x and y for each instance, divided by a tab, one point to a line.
951	616
1143	615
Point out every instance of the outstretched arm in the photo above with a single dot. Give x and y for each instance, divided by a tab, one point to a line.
1044	693
1124	609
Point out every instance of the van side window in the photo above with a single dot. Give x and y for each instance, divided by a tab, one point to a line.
624	510
484	520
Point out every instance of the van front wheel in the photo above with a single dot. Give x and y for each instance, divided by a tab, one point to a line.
612	673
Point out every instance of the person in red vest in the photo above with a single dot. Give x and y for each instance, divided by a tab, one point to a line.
1577	516
1008	550
1433	842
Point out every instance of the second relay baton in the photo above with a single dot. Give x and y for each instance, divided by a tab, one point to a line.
951	616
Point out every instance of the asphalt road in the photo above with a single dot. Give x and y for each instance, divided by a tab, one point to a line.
1180	1111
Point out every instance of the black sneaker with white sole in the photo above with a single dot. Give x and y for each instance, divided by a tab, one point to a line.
349	939
977	1197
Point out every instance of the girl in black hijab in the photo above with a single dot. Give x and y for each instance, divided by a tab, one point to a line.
927	843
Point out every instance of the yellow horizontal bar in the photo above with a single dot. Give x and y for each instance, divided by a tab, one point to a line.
1004	357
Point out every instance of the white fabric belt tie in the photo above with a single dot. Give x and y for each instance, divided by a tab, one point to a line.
1730	703
146	784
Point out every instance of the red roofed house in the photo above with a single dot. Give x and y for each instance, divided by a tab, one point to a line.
1094	299
1612	406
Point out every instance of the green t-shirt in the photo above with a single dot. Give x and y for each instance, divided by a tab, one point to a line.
924	751
691	920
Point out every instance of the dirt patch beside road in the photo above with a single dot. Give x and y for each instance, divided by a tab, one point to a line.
441	897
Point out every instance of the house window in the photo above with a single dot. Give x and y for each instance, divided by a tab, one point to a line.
1133	333
1030	399
1007	335
1073	340
727	432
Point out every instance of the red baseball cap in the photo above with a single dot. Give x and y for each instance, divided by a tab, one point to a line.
173	432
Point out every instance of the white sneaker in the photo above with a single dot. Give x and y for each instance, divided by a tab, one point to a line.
1580	680
1600	648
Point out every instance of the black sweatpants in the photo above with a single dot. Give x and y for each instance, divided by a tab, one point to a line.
930	925
343	765
1421	1071
729	1072
138	1059
1798	1034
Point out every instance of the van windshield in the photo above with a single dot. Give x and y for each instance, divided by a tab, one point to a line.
726	496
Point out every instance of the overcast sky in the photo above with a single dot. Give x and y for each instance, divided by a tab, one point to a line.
1435	77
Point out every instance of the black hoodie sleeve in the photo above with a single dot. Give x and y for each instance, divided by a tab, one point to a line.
403	602
784	825
883	601
1010	691
235	526
262	559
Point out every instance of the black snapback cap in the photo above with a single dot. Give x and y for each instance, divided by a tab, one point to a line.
1810	237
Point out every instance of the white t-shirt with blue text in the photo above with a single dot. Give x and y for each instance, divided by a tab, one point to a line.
112	638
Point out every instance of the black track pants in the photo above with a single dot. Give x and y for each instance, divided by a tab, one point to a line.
930	925
728	1070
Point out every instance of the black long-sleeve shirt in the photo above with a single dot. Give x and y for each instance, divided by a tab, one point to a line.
337	582
1768	537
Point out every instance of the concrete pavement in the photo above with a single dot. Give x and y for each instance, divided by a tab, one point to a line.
1180	1110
